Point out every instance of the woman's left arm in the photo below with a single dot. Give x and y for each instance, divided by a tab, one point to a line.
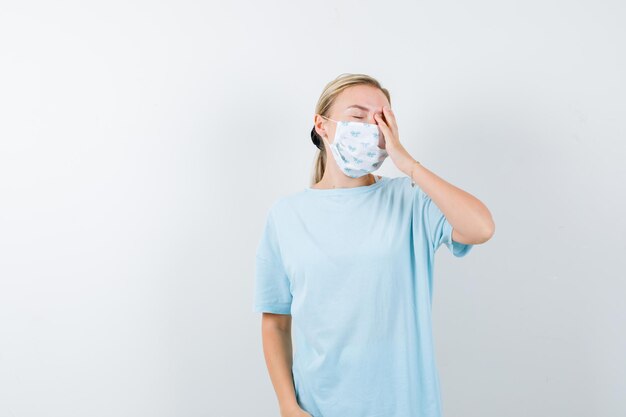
471	220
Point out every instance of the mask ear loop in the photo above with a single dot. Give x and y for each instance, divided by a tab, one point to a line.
328	118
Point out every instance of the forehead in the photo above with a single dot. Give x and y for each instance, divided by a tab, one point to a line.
366	96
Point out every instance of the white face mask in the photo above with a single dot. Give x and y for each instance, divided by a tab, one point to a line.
355	148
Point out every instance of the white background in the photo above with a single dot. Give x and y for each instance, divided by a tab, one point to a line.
141	144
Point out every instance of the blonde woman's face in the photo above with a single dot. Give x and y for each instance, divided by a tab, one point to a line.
358	103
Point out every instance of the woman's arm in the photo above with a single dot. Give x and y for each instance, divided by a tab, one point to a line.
470	219
277	348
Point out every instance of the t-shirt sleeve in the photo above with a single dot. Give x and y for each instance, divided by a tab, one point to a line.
272	292
437	226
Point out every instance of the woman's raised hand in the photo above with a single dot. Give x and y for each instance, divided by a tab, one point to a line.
389	126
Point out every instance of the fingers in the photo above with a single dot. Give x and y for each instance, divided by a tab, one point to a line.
383	126
391	118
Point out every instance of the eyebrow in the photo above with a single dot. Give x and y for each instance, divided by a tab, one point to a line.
357	106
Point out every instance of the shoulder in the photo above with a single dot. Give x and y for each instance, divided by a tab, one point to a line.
406	192
402	185
406	183
285	203
400	182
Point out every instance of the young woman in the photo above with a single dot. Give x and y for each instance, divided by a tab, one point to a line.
350	260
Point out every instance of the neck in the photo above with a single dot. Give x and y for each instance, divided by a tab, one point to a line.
337	179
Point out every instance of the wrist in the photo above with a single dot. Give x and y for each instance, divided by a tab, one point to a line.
411	169
289	407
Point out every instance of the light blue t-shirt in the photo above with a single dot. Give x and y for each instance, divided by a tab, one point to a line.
354	268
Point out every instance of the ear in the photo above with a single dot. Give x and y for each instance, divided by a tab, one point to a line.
320	126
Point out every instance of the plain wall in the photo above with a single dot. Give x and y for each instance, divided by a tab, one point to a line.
141	144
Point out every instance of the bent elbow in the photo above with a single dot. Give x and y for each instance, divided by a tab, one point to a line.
488	232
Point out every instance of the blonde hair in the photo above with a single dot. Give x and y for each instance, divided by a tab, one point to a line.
324	103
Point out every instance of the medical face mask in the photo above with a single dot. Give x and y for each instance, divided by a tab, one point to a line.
355	148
